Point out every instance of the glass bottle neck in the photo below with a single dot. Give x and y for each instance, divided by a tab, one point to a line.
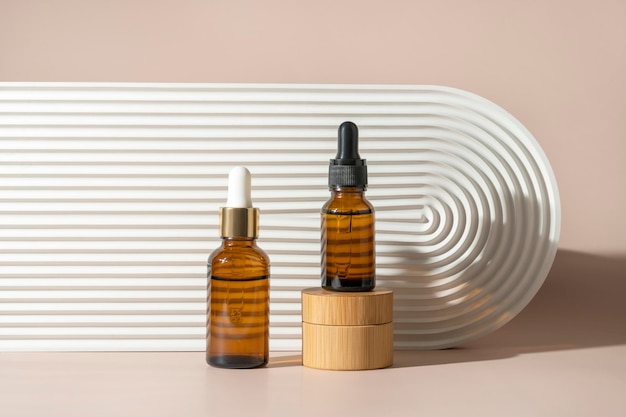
347	190
238	241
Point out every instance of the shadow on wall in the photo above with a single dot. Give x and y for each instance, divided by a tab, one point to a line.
580	305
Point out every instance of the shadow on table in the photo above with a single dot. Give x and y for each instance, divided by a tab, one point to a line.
581	305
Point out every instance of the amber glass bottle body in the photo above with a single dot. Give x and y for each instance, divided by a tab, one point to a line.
348	245
238	305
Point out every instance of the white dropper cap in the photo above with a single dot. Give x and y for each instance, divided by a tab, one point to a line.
239	188
239	218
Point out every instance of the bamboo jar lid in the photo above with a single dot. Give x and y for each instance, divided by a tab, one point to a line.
347	330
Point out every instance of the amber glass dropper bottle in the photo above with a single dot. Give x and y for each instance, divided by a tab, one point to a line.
238	288
348	247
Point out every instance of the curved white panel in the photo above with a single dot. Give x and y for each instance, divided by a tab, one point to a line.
109	197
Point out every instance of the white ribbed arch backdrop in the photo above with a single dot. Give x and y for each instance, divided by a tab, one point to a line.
109	196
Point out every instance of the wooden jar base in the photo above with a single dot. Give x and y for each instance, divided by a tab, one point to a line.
347	331
347	347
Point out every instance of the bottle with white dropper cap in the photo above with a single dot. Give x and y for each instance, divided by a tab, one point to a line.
238	289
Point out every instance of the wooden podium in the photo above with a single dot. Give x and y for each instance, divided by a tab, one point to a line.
347	330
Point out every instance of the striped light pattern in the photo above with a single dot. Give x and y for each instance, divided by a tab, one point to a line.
109	196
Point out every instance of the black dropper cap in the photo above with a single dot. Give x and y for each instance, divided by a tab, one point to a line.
347	169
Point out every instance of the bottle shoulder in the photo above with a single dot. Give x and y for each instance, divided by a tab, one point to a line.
350	204
240	260
251	252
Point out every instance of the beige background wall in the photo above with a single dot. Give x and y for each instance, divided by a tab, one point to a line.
558	66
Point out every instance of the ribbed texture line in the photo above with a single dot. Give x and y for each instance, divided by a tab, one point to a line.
347	175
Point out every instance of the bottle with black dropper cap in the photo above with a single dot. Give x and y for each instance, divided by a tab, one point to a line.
348	247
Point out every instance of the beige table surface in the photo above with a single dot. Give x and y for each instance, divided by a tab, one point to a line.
564	355
589	382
